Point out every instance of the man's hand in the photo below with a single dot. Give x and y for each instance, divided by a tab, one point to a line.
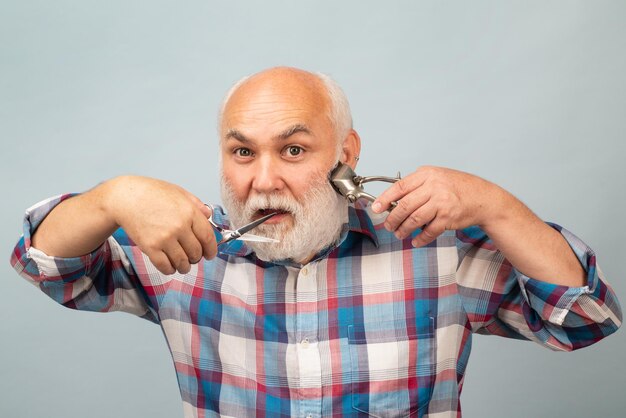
167	223
436	199
440	199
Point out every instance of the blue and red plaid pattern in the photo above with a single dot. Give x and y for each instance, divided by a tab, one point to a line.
371	325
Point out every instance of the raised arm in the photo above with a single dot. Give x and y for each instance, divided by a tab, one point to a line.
517	276
165	221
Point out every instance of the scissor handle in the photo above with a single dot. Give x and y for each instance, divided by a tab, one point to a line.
217	230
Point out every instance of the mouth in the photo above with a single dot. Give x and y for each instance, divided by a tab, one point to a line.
280	215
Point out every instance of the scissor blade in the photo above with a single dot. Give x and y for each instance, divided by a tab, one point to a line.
254	224
256	238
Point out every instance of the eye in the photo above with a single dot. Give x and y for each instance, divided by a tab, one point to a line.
243	152
294	150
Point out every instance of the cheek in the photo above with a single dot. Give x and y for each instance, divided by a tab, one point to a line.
298	188
301	184
237	182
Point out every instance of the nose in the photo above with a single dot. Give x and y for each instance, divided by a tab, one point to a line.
267	176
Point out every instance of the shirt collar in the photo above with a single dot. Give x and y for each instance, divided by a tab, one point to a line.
360	222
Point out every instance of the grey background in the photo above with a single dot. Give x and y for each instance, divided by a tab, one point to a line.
530	95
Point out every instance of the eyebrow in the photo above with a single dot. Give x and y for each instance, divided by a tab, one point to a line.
235	134
292	130
298	127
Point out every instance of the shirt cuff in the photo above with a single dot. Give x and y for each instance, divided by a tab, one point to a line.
52	268
552	301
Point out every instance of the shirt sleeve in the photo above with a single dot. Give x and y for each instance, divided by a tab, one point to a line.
499	300
102	281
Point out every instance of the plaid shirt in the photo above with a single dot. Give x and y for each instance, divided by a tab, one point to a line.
371	325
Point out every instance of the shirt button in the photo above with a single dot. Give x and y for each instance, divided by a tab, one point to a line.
305	271
305	343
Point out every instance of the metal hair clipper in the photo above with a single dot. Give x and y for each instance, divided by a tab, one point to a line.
350	185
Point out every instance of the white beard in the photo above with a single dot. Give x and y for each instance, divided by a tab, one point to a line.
317	221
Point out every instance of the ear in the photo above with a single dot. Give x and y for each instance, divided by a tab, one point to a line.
351	149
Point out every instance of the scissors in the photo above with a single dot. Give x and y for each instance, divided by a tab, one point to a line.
223	235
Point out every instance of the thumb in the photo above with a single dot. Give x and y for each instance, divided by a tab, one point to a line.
205	209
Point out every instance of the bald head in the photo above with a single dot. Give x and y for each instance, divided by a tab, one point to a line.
286	77
298	87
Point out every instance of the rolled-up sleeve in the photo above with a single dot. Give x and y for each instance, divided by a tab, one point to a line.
559	317
101	281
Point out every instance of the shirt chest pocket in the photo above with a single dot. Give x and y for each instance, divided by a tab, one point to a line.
392	366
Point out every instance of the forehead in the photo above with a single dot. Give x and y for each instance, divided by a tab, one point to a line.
275	101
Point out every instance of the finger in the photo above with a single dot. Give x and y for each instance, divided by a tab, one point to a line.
178	258
405	207
203	231
422	216
206	211
160	260
397	191
429	233
191	246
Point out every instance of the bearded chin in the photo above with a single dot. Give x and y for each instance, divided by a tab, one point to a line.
317	221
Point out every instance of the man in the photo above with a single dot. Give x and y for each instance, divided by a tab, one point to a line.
356	310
